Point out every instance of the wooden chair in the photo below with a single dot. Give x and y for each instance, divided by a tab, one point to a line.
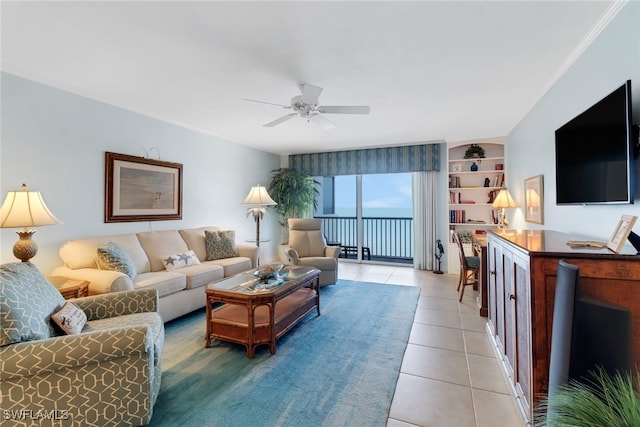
469	266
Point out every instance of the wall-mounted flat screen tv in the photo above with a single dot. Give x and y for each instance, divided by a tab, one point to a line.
594	153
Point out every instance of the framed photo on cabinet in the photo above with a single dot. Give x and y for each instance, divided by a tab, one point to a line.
621	233
534	200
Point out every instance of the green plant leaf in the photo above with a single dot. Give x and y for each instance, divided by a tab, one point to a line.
601	400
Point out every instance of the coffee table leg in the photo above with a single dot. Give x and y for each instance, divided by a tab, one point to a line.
317	286
208	337
272	327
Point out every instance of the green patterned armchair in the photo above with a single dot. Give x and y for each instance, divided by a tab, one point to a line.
108	374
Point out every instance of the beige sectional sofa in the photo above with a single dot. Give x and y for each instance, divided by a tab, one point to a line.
181	290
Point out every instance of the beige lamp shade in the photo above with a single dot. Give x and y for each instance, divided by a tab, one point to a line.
258	196
25	209
504	200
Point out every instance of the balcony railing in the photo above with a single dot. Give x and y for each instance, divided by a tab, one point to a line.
387	239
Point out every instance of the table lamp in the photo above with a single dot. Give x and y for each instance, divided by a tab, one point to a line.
503	200
259	197
25	209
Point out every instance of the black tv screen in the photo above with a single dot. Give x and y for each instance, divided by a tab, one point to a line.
594	153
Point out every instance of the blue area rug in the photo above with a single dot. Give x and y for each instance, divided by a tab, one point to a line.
337	369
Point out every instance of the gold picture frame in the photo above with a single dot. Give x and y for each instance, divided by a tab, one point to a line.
141	189
620	234
534	199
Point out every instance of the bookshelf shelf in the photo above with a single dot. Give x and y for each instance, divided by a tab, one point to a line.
478	186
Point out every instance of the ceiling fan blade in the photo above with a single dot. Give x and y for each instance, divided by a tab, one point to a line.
321	121
264	102
280	120
310	94
344	109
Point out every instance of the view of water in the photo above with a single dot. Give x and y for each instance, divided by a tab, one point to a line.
376	212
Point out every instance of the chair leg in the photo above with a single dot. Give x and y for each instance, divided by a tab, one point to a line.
466	282
462	291
461	280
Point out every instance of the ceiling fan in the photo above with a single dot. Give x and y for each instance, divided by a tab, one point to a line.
306	106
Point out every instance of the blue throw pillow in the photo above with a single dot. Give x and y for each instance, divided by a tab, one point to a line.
113	257
27	301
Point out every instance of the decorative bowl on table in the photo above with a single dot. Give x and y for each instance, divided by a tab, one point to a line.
268	271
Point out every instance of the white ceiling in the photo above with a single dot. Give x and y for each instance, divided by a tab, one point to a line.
453	70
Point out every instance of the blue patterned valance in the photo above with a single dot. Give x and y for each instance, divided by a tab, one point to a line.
409	158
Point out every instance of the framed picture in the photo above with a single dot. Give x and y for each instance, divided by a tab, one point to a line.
534	200
456	167
141	189
621	233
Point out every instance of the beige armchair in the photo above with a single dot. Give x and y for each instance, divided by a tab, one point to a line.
307	246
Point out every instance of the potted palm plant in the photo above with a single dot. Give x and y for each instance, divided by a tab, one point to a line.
295	193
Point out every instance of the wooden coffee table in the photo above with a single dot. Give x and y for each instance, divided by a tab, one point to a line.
255	312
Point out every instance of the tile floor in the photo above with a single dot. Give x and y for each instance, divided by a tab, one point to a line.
450	375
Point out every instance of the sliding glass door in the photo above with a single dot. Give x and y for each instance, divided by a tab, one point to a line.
370	216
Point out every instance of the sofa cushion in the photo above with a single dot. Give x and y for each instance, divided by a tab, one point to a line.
27	300
194	238
114	257
166	282
203	274
71	319
220	244
81	253
232	266
158	244
177	261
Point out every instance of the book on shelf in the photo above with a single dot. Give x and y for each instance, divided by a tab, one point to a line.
466	202
457	216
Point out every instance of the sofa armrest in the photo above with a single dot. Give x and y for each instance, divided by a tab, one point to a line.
293	256
119	303
249	251
67	352
332	251
100	281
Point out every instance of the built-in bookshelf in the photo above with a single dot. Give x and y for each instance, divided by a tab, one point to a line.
473	185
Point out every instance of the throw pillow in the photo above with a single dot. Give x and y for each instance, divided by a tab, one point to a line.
70	318
113	257
174	262
220	244
27	300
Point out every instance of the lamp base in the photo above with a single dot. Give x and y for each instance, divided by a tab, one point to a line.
25	248
502	220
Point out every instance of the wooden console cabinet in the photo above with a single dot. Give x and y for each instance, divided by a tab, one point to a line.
522	269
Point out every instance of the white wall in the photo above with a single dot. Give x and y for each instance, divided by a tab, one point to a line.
55	141
612	58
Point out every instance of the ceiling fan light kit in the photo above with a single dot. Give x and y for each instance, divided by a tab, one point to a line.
306	107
